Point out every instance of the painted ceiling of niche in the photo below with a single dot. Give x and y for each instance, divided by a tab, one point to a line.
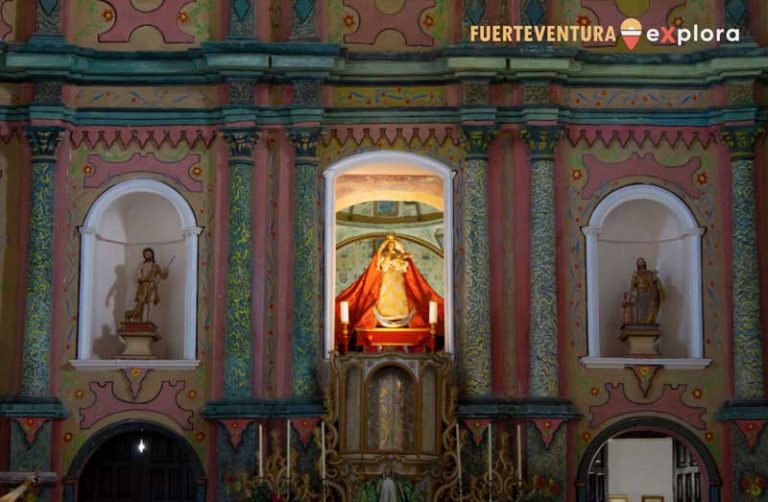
352	189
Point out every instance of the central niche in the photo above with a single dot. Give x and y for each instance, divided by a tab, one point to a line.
388	266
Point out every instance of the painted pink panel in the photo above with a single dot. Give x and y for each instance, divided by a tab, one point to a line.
165	18
100	171
601	173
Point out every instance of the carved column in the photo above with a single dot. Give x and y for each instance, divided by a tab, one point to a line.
543	331
39	297
533	12
48	19
473	324
306	336
303	20
241	19
238	343
747	339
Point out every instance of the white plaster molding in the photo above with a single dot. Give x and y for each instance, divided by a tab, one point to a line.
622	362
691	234
387	160
114	364
88	232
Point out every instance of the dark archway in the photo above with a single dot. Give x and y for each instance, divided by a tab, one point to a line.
170	463
710	476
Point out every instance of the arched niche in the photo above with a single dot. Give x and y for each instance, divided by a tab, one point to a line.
388	176
123	221
649	222
711	483
137	428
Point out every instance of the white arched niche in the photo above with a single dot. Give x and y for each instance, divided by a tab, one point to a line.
123	221
384	164
649	222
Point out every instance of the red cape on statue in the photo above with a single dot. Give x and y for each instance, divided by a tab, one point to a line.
364	292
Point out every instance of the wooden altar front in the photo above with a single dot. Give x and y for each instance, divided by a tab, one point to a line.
390	412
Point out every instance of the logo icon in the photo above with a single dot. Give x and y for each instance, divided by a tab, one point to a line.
631	30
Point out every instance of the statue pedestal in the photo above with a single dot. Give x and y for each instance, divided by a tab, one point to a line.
641	339
138	338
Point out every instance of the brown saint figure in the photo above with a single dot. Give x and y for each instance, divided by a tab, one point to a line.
147	277
648	293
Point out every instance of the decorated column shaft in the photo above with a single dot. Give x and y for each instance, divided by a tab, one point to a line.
238	344
241	19
747	339
48	18
303	20
39	296
543	330
307	250
473	327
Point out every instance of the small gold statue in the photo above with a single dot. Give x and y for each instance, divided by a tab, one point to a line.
647	292
148	275
392	308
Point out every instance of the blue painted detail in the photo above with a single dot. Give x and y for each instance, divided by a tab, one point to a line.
263	408
242	7
532	408
743	409
28	406
534	11
736	9
303	9
474	11
48	6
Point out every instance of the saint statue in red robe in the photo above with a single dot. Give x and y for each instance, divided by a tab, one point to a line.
391	293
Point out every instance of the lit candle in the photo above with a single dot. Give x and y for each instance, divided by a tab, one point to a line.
261	454
519	453
288	449
490	459
433	312
322	450
344	312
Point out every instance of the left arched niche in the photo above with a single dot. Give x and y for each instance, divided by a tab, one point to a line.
124	220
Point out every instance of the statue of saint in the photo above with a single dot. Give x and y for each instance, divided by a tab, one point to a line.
148	275
392	309
648	293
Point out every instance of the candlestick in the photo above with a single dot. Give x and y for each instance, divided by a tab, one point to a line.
322	450
432	312
344	312
458	457
288	458
519	454
490	460
261	455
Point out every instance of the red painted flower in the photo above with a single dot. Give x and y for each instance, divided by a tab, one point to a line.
697	393
88	169
349	20
197	170
68	436
200	436
701	178
586	436
192	394
576	174
183	17
79	393
428	21
709	436
583	21
678	21
547	425
594	391
107	15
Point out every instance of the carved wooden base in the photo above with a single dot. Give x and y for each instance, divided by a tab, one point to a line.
641	338
139	338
